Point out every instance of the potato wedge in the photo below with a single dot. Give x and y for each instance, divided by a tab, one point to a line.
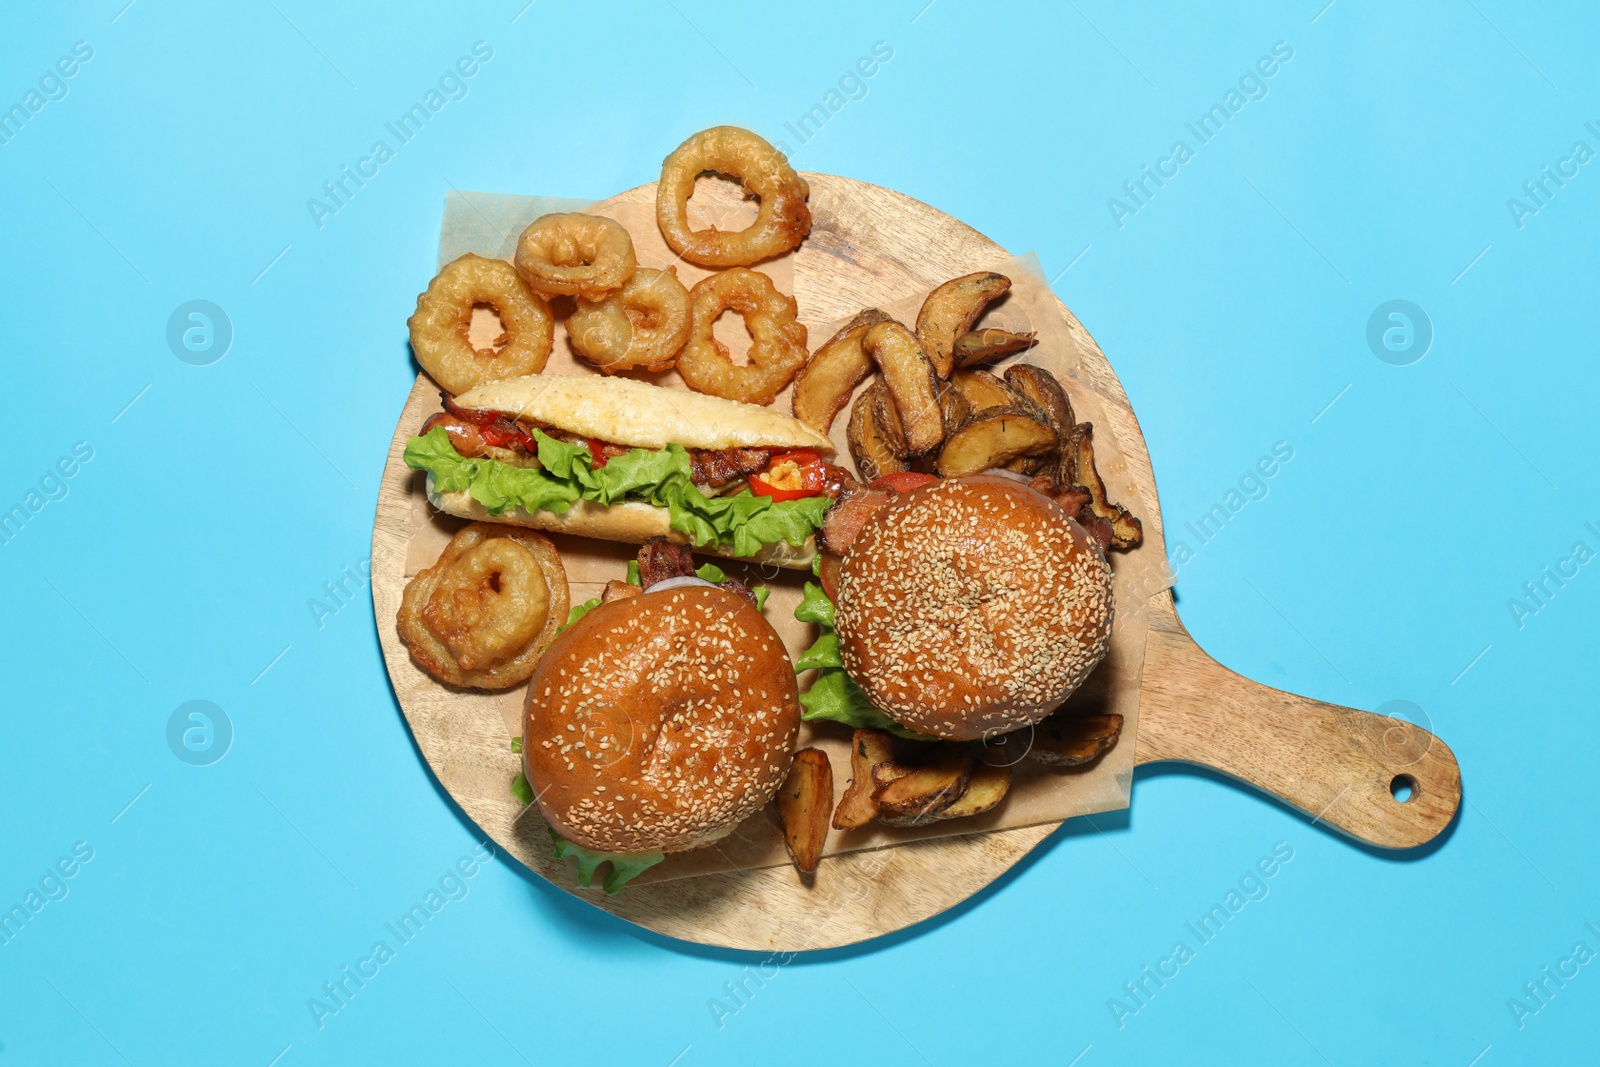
989	345
1028	465
912	383
954	406
1045	393
1126	531
1066	470
986	788
1071	740
1002	750
985	390
889	771
804	802
872	455
857	808
833	372
916	797
951	309
886	417
994	438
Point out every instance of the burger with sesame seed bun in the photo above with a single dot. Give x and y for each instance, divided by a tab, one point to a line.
659	720
972	606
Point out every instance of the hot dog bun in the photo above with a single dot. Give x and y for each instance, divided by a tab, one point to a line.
632	522
640	415
637	415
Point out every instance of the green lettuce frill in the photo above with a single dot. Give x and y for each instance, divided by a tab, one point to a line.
833	695
741	522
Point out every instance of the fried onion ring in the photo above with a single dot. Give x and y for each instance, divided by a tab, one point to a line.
573	254
643	324
782	222
443	319
484	613
777	346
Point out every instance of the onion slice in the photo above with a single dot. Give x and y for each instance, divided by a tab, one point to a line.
678	583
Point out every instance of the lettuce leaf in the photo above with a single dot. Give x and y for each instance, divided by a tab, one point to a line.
742	522
497	486
521	789
833	695
815	606
625	866
579	611
823	653
710	572
433	452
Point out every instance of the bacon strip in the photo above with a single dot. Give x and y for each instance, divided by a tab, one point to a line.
607	451
716	469
615	590
1072	498
1078	501
856	504
661	558
734	585
471	415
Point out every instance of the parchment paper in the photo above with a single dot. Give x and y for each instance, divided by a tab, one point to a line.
489	224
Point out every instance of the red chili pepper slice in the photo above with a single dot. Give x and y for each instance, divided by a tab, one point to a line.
760	487
808	475
504	433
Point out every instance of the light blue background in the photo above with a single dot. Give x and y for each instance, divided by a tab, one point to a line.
1233	305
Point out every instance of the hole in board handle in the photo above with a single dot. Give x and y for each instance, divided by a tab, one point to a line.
1402	787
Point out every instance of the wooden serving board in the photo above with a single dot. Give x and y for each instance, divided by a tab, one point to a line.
870	245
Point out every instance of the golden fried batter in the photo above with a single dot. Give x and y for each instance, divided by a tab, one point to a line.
443	318
642	325
778	340
783	219
573	254
483	614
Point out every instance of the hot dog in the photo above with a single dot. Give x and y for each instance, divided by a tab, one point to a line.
622	460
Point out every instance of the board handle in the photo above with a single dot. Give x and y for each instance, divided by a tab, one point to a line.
1340	766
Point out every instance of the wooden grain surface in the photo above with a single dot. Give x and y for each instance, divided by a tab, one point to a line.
1336	764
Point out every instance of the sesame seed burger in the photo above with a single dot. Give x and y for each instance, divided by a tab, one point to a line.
659	722
971	607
